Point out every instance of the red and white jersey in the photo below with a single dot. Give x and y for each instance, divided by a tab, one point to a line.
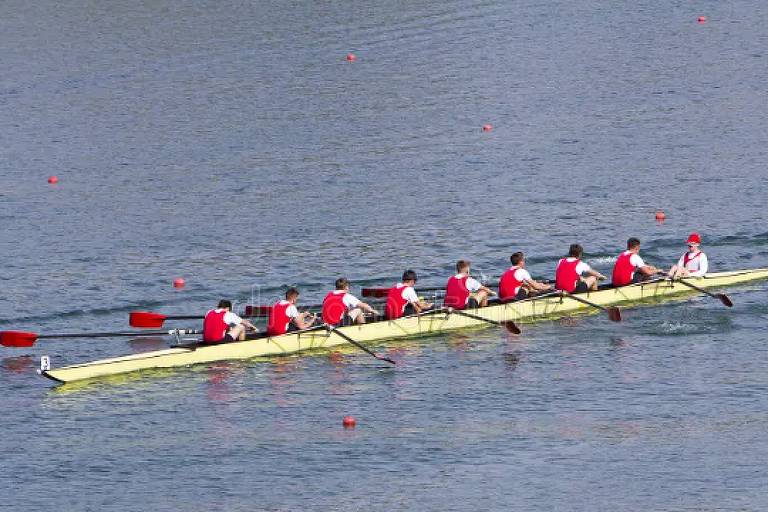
216	323
694	262
626	265
568	272
458	289
280	317
336	303
398	297
511	281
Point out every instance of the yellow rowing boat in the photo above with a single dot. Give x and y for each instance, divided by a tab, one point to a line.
418	325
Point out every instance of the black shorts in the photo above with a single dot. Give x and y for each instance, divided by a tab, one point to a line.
581	287
472	303
226	339
522	293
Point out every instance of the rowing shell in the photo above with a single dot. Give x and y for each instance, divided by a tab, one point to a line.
430	323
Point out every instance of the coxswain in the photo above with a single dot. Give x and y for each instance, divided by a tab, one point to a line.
402	298
573	275
221	325
693	263
630	267
517	283
463	290
342	308
285	317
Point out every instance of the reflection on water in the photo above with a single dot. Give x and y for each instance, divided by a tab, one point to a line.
147	344
19	364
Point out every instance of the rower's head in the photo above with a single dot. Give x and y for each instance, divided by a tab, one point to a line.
575	251
342	283
225	304
409	277
693	242
292	295
633	244
517	259
462	266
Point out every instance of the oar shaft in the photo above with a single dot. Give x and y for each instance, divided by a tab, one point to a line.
184	317
361	346
475	317
584	301
120	334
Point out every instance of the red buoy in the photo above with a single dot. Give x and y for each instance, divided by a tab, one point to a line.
53	180
348	422
487	127
179	282
351	57
702	19
660	216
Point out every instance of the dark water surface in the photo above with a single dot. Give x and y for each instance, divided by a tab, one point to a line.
230	143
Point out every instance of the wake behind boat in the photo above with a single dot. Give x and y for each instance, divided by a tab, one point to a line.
550	305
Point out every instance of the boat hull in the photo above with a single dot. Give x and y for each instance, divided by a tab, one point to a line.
430	323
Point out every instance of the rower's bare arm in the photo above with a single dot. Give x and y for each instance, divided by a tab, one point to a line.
487	290
304	320
367	308
597	274
542	287
421	306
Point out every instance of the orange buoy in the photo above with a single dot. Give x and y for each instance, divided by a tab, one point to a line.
702	19
349	422
179	282
351	57
53	180
660	216
487	127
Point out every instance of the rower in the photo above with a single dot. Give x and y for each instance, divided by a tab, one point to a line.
463	290
402	298
571	271
630	267
516	283
693	263
221	325
285	317
342	308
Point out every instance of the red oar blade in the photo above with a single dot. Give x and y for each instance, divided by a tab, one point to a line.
17	338
511	326
146	319
375	292
614	314
725	299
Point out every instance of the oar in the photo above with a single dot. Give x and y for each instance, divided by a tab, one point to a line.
383	292
614	313
360	345
149	319
27	339
726	300
507	324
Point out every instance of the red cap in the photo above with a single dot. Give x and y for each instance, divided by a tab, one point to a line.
694	238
